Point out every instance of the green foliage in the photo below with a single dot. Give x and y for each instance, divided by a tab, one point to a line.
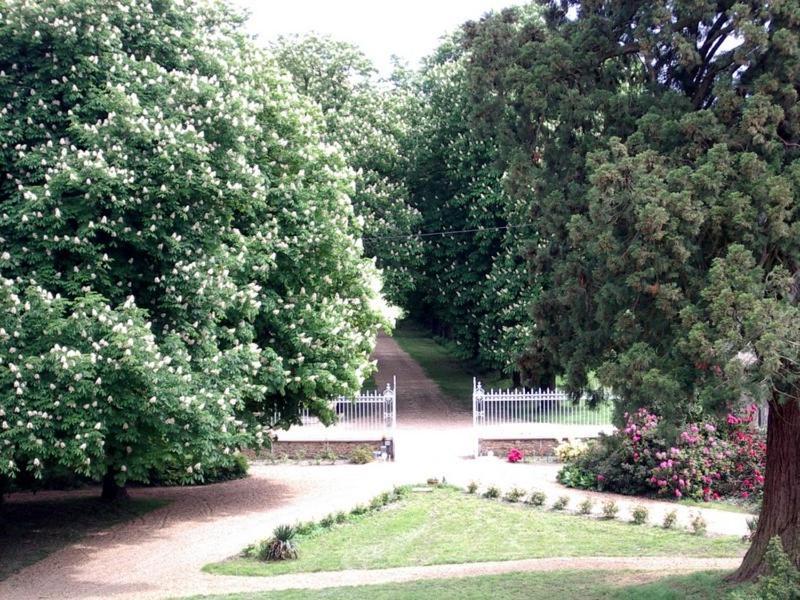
280	547
698	524
782	581
368	120
561	503
492	492
514	495
537	498
639	514
586	506
670	518
361	455
610	509
179	264
472	487
663	166
456	184
226	468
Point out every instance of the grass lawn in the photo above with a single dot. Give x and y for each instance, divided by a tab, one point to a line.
449	526
587	585
452	374
30	531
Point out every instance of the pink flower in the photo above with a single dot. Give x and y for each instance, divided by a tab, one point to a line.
514	455
678	493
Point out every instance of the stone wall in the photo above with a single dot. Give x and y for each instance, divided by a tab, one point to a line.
314	450
543	447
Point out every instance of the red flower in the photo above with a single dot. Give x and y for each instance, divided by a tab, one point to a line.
514	455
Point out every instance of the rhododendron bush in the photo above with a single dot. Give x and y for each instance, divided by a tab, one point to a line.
708	461
179	258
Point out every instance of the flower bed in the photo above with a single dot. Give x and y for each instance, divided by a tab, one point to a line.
707	461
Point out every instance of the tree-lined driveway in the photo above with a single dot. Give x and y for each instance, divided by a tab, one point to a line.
161	554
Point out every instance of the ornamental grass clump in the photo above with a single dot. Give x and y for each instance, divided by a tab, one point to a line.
280	547
639	514
561	503
610	509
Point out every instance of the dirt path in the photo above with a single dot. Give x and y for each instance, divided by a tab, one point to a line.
420	402
431	429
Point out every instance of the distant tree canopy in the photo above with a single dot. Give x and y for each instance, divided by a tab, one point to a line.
367	119
657	145
180	260
474	287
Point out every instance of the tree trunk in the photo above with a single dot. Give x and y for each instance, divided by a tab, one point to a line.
516	379
780	511
112	492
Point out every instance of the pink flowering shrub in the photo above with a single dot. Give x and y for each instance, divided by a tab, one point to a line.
708	461
514	455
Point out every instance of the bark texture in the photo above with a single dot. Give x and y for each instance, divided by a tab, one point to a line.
780	512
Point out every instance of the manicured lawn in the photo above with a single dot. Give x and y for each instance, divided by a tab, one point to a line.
587	585
441	363
449	526
30	531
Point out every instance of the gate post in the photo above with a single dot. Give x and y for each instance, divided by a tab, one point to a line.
478	413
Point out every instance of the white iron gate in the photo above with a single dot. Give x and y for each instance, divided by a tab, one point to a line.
372	410
501	407
535	414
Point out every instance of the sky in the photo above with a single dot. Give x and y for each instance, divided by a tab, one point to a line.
410	29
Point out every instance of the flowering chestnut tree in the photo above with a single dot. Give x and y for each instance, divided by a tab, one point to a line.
366	117
179	257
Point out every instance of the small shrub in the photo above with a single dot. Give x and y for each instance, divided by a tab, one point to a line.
380	501
698	524
514	495
472	487
305	527
341	517
639	514
570	450
433	481
670	519
491	492
359	509
610	509
515	455
327	522
585	507
400	491
782	580
361	455
280	547
328	455
537	498
561	503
